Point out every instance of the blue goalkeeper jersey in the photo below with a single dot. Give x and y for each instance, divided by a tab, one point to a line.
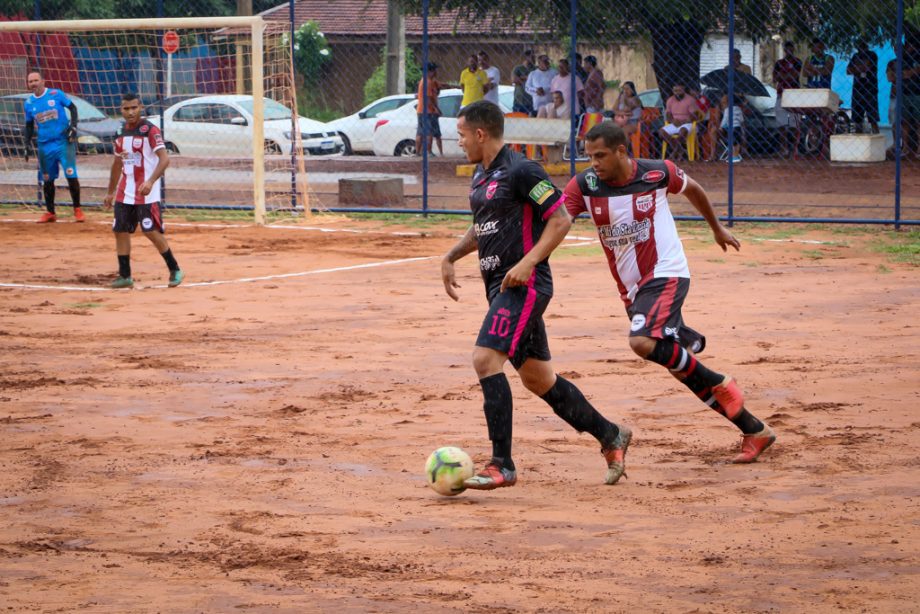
51	122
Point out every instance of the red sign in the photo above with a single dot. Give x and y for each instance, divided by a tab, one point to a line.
171	42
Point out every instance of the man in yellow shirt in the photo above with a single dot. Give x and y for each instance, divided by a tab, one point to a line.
472	81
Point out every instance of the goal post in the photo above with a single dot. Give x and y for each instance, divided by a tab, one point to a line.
226	125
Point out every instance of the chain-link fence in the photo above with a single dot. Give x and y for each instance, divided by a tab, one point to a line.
784	111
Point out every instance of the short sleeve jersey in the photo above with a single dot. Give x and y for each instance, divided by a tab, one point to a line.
786	74
472	82
511	202
47	111
137	147
634	222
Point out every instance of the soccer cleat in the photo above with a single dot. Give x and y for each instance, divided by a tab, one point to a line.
123	282
729	396
492	477
175	278
753	446
615	456
47	218
78	215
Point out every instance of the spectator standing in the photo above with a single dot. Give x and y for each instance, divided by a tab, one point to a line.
786	74
523	103
910	81
539	82
557	109
56	139
737	64
472	81
819	66
681	110
863	67
434	111
580	71
563	83
594	86
493	75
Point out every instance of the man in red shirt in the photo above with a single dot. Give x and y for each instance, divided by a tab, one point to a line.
681	111
140	161
786	74
434	111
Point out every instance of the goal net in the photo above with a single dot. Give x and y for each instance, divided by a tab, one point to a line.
221	89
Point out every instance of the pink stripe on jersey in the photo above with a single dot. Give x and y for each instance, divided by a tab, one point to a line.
549	211
527	231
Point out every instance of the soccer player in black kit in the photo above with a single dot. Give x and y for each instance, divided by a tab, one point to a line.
519	218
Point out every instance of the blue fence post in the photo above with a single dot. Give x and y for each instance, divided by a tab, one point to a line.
898	105
424	102
730	69
573	93
295	129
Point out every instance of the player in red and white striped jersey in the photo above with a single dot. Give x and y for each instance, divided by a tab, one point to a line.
134	187
628	201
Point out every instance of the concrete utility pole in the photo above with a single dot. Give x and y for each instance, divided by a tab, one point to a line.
396	49
243	8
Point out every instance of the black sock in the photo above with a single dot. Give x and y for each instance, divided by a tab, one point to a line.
74	184
747	422
571	405
124	266
170	260
498	407
48	189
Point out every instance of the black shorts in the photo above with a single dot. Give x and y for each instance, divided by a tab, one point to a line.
127	218
514	325
865	104
655	313
434	126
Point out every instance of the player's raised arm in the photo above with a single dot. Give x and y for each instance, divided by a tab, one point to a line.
700	201
466	245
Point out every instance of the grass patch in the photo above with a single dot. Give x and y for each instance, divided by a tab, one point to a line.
716	260
579	251
85	305
882	269
903	247
416	220
752	264
814	254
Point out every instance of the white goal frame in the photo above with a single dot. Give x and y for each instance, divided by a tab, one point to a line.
256	27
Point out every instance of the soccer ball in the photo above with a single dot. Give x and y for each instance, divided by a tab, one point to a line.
446	469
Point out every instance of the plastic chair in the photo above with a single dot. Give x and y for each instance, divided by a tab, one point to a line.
587	121
692	144
642	138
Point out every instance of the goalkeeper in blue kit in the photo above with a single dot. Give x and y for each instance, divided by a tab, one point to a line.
56	136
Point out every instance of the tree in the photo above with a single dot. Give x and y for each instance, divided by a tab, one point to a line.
676	28
376	86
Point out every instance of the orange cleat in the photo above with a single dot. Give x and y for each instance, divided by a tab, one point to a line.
47	218
730	397
753	446
615	456
492	477
78	215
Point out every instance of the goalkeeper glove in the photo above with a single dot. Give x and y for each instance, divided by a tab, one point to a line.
71	134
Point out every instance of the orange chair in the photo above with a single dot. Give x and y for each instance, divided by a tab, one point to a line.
587	121
642	137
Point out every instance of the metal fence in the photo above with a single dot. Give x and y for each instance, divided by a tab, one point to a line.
793	111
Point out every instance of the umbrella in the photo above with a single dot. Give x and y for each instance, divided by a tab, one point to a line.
744	83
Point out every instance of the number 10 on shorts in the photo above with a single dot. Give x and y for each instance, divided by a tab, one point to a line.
501	326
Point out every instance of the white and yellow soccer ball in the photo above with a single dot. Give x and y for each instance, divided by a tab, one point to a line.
446	469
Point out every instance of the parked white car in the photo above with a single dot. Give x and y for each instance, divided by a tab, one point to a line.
221	126
395	131
357	129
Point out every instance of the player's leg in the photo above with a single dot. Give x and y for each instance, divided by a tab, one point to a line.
69	162
151	220
655	335
125	224
47	173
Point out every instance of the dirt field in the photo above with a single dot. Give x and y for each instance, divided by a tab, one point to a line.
258	445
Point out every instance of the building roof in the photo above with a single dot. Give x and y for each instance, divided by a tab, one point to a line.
368	18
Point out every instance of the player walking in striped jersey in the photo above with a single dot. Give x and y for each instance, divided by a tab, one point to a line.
518	220
134	188
627	200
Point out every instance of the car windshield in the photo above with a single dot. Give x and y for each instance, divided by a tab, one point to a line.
86	111
271	109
